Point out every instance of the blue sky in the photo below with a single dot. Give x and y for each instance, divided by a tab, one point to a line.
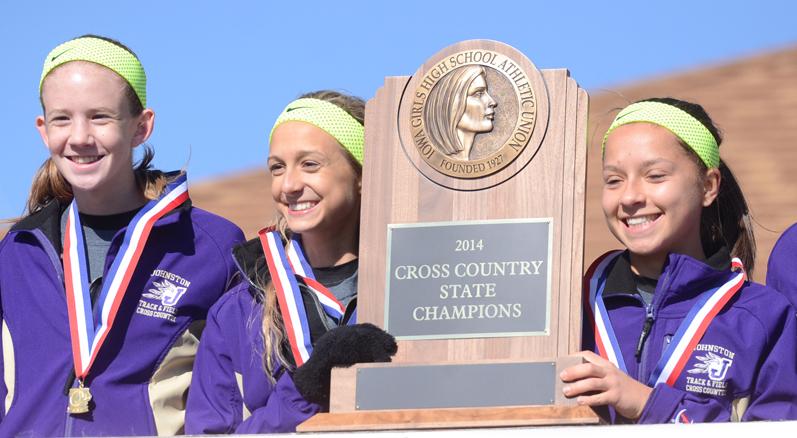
220	72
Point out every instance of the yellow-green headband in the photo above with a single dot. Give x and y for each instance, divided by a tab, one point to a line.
677	121
104	53
329	117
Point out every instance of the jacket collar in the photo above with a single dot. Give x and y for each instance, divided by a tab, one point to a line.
48	220
251	264
681	274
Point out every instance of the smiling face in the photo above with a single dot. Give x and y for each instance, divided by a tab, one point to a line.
479	112
654	194
90	132
313	183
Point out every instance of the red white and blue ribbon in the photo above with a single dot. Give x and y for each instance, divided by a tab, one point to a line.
87	334
595	281
692	328
299	264
284	265
689	333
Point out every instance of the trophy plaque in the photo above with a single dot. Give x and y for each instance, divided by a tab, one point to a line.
471	246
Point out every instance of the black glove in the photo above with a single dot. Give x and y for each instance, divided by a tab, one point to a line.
341	347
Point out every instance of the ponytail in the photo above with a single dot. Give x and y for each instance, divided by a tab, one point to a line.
726	222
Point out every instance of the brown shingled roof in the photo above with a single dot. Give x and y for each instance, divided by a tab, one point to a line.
754	102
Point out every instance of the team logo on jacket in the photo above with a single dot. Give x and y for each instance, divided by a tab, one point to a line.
167	292
707	375
160	301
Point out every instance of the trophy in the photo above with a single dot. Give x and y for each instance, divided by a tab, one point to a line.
471	246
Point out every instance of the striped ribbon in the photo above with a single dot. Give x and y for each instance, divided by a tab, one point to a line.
284	266
689	333
692	328
595	281
88	336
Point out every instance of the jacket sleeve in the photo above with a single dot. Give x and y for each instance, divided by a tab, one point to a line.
781	274
284	410
775	391
774	387
215	400
667	405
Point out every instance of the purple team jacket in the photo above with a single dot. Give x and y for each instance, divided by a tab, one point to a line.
782	269
743	368
230	391
188	250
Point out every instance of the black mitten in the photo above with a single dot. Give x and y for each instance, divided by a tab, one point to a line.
341	347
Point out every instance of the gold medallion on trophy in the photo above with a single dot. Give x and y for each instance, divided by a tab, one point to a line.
473	113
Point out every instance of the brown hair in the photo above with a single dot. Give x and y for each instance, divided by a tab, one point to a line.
48	183
726	222
273	328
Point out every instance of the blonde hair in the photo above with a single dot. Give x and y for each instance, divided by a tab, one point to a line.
273	328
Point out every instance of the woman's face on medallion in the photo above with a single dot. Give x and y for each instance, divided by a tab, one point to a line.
479	108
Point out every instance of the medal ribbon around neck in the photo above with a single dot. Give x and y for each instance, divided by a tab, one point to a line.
691	330
88	336
689	333
594	282
284	265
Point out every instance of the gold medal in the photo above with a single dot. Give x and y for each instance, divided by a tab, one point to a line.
79	399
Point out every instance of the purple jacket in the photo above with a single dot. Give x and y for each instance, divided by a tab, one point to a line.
782	269
140	375
230	391
743	368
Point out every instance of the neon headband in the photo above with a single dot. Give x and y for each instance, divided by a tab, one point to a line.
677	121
329	117
104	53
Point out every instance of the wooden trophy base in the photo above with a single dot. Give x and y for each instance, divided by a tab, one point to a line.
383	396
450	418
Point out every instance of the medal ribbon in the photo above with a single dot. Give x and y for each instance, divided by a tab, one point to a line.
692	328
689	333
88	336
284	266
594	282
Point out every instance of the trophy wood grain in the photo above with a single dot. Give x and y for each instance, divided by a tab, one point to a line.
451	418
579	221
550	185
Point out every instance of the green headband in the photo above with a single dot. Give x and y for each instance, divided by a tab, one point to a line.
104	53
677	121
329	117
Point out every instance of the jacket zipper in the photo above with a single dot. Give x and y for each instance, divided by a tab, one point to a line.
59	270
650	319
